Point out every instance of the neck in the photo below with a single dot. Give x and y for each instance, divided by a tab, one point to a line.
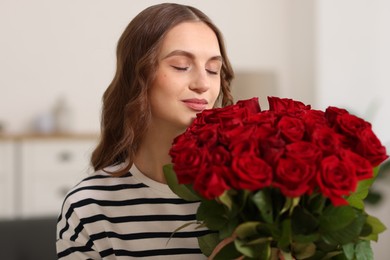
153	153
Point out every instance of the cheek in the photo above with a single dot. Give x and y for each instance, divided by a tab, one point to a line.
164	90
215	91
161	86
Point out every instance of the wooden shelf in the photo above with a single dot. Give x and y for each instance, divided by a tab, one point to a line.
29	136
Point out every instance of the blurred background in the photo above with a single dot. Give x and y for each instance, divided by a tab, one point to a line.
58	57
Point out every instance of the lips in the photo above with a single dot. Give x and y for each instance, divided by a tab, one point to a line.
196	104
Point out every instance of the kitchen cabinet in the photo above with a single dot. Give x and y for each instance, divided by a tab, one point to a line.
7	178
39	170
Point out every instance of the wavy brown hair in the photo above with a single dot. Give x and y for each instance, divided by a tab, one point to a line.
126	108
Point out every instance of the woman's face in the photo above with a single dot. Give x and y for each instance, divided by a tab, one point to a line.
188	78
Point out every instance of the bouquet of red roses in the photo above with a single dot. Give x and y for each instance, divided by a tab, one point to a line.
290	179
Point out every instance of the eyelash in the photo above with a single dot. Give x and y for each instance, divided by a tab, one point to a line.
186	68
212	72
180	68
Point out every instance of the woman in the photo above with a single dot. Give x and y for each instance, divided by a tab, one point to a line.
171	64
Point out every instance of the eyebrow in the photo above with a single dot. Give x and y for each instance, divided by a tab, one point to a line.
190	55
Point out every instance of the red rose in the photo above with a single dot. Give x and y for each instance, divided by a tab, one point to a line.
285	105
291	128
233	118
347	141
187	163
207	135
187	136
362	166
331	113
290	147
248	145
229	116
263	118
219	156
187	157
187	139
250	172
212	116
304	151
350	124
293	177
314	119
210	182
252	105
336	179
307	153
237	134
264	131
327	140
371	148
272	148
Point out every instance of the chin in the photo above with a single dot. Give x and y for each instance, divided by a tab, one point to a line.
185	124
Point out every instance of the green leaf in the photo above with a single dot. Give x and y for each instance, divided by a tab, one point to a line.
212	214
356	199
336	218
226	200
286	233
258	251
247	229
240	199
208	242
363	251
229	251
322	255
349	251
302	251
303	222
341	225
183	191
306	238
228	228
263	202
265	253
337	255
345	235
251	241
366	231
260	240
287	256
316	203
377	227
234	201
358	251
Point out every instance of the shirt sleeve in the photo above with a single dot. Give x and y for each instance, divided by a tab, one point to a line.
73	241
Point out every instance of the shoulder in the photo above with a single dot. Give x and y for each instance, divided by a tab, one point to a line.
95	195
101	185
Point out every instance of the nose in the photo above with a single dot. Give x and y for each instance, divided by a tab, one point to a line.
200	81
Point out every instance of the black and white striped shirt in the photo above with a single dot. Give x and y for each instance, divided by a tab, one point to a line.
106	217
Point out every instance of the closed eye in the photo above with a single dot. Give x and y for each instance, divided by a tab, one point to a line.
212	72
180	68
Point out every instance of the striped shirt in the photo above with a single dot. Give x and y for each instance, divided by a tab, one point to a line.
132	216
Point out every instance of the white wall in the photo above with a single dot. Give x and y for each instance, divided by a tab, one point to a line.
353	59
51	48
